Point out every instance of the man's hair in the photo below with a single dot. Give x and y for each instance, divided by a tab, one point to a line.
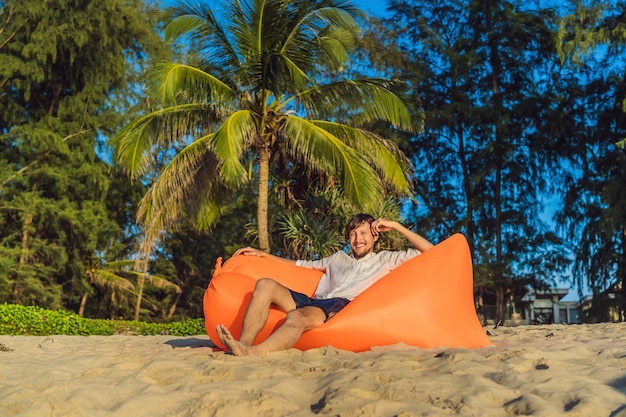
356	221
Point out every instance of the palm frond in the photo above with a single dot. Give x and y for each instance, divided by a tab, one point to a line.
210	196
156	216
165	201
326	152
335	47
192	186
172	82
133	144
157	281
213	35
122	265
319	33
209	211
108	279
230	139
255	25
283	68
382	154
184	21
334	20
200	22
362	101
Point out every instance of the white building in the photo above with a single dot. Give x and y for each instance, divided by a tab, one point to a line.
547	306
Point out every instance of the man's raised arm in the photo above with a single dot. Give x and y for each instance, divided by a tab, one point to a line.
384	225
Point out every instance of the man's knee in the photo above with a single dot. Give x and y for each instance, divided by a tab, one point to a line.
272	291
296	318
305	318
266	284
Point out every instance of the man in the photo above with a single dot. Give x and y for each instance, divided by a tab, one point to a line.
345	277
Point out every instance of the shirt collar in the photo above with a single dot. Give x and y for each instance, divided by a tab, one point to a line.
369	255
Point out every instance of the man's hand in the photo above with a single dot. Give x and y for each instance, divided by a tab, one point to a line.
382	225
250	252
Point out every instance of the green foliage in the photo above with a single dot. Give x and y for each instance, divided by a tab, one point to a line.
67	80
270	90
487	75
312	227
508	122
593	37
35	321
30	320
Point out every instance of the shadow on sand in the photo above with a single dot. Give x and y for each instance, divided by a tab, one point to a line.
190	342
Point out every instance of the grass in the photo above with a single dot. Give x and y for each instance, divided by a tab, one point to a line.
18	320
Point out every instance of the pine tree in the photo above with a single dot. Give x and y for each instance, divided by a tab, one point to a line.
66	73
487	76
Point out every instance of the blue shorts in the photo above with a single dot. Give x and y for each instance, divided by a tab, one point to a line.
330	306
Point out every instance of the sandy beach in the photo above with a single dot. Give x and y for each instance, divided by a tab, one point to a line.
577	370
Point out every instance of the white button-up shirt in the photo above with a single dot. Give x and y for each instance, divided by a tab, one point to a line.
346	277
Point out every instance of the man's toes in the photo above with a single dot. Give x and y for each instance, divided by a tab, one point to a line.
222	333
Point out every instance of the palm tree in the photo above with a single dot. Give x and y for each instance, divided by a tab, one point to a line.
106	277
115	275
255	97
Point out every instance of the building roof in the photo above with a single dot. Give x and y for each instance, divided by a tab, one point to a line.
545	294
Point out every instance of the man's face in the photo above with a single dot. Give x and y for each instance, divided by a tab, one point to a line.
362	240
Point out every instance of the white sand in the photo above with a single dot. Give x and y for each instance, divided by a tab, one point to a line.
552	370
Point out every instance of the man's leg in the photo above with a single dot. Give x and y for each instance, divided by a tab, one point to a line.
266	292
297	322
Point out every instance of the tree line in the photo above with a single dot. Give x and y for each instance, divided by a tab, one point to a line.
139	143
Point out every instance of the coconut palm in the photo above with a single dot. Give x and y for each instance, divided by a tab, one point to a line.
256	96
105	277
114	276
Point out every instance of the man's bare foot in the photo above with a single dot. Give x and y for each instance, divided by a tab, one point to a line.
236	348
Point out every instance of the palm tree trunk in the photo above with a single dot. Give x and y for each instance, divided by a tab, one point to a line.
141	281
262	208
112	306
172	309
18	288
83	303
141	265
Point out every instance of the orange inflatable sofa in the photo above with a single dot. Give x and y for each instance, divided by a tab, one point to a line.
426	302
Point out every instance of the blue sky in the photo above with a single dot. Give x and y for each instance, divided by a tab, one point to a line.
375	7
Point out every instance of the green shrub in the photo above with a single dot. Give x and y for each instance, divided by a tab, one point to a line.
30	320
